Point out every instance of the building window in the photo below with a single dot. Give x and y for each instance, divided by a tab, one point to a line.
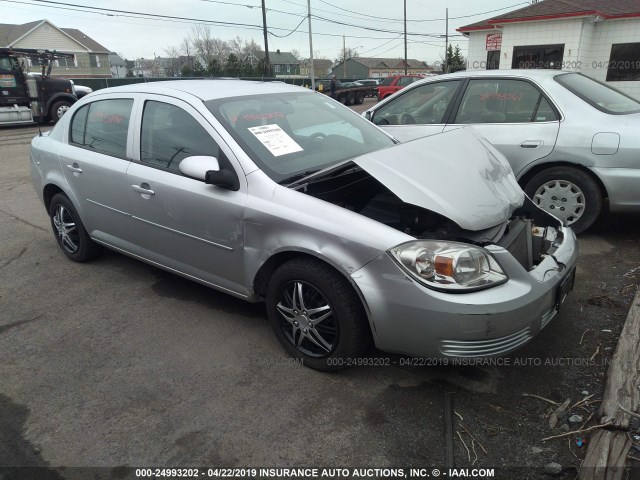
66	62
95	60
493	59
624	63
276	68
288	68
538	56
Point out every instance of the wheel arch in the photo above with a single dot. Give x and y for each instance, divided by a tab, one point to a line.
264	273
49	191
533	171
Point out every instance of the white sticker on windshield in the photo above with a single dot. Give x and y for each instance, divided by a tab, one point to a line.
275	139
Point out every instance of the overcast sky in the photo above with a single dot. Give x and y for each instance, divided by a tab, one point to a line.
374	30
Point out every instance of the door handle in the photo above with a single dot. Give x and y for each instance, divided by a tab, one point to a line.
141	189
74	168
531	144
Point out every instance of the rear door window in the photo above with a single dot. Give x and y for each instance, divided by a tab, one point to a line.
103	126
503	101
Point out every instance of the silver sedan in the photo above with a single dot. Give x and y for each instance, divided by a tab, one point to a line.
572	142
274	193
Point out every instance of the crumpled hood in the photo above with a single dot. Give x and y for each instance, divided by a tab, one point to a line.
457	174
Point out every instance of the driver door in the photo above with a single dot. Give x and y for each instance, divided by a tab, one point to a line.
419	111
181	222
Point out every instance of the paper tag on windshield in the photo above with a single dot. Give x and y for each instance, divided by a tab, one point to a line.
275	139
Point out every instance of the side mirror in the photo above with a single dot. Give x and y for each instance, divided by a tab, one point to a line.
198	166
367	115
208	169
225	178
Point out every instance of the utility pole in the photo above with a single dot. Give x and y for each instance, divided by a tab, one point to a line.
313	72
446	45
267	64
405	37
344	58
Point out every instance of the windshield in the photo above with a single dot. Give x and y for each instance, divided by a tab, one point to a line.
598	95
8	64
288	134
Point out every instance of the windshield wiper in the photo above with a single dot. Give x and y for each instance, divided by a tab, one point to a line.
318	174
297	176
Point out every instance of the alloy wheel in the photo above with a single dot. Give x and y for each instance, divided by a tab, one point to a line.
307	319
66	229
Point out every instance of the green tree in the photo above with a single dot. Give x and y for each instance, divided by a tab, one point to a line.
232	67
455	60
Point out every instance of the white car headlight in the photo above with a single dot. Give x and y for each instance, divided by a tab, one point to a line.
449	266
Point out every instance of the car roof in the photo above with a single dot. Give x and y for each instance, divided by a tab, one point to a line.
206	89
524	73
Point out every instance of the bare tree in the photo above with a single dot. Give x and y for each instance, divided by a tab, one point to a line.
203	43
172	65
187	50
236	45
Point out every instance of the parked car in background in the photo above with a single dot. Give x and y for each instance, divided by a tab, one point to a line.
571	141
271	192
390	85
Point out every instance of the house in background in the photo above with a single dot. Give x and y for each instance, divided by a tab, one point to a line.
283	64
321	68
118	65
599	38
90	59
371	67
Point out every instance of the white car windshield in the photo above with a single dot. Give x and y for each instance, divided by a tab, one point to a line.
295	133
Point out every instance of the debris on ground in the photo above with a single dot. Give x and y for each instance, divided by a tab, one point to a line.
553	468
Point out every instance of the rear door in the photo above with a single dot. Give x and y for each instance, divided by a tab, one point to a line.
95	162
513	114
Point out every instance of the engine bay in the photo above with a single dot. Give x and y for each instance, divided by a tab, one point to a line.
529	235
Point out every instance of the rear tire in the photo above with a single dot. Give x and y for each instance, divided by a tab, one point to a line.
567	193
69	231
360	98
316	315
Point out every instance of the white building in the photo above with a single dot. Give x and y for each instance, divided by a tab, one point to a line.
599	38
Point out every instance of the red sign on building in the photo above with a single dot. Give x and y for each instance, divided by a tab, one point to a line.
494	41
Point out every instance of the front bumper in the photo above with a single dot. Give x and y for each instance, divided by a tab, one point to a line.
409	318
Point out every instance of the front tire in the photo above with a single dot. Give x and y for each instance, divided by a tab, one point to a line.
569	194
316	315
58	109
69	230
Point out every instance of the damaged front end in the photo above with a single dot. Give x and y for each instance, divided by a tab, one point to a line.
482	269
444	256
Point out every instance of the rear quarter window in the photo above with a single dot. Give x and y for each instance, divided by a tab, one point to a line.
598	95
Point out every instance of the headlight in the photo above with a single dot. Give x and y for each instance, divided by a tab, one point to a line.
449	266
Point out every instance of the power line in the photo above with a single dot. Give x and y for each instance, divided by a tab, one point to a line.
426	19
172	18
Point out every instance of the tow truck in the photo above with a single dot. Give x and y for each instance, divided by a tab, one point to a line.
28	97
